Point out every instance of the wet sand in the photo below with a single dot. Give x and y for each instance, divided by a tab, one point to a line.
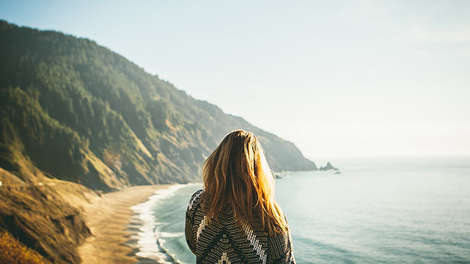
108	217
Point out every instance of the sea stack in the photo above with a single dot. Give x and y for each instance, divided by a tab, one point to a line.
329	166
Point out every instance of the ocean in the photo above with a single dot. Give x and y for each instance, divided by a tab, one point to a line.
395	210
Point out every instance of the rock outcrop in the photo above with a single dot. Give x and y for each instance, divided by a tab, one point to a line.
328	166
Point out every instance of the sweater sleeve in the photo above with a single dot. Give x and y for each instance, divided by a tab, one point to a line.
289	256
193	206
281	250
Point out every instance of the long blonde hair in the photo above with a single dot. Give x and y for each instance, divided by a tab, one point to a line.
237	174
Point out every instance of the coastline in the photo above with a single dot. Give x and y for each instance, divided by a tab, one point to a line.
112	221
146	239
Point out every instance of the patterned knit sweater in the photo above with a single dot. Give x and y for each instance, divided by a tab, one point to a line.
230	240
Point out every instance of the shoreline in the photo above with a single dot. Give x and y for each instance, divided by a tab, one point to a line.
116	225
147	240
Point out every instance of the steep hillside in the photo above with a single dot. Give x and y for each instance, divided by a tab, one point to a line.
80	112
40	217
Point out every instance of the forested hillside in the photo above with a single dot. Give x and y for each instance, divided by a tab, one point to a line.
80	112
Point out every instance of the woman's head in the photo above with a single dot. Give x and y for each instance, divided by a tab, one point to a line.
237	174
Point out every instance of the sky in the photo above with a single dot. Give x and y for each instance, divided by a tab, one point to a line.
337	78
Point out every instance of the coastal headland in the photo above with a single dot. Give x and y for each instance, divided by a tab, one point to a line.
79	120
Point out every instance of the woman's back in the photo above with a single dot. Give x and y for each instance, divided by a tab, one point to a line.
231	240
236	219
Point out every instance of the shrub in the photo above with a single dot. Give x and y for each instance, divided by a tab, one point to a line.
13	252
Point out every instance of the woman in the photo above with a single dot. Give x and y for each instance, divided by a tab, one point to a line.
235	218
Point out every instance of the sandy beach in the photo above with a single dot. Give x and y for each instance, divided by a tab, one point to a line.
108	217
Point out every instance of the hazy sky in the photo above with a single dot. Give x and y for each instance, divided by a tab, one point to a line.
338	78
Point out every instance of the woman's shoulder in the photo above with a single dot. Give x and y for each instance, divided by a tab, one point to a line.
195	198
